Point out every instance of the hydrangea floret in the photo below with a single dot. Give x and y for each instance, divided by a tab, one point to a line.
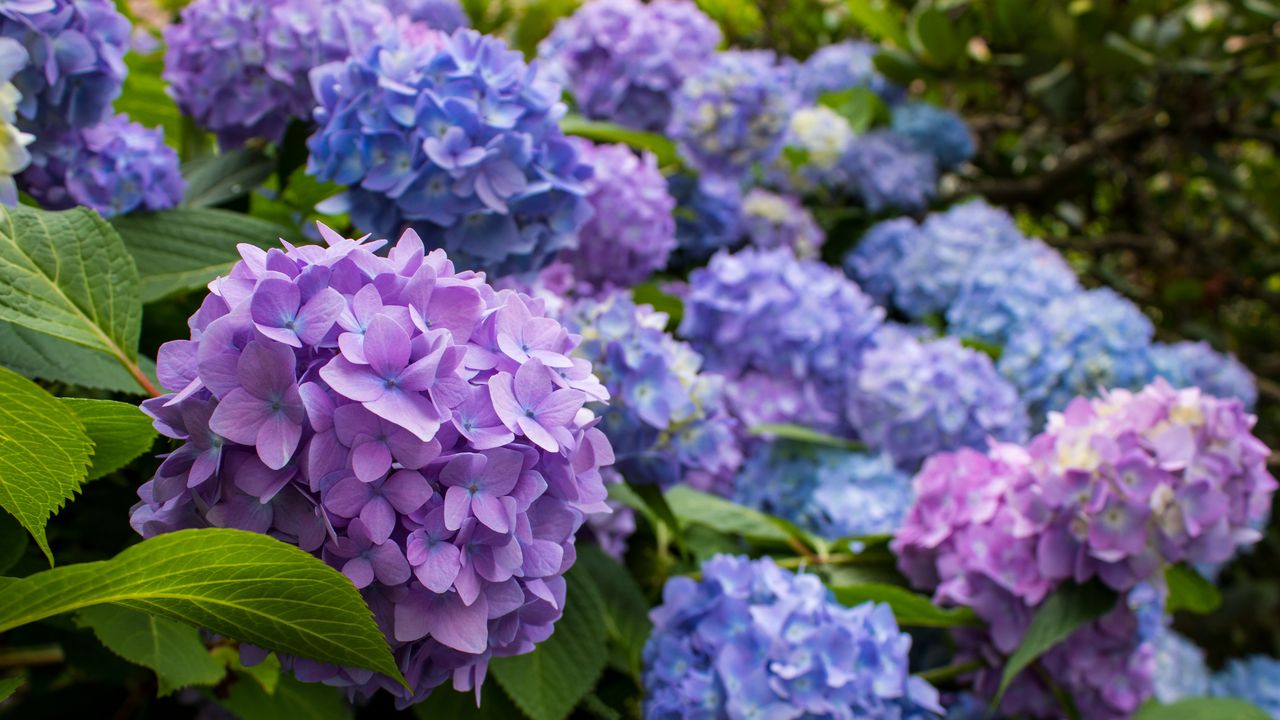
772	221
442	15
843	66
813	159
418	430
891	172
1255	679
1197	364
1007	286
938	131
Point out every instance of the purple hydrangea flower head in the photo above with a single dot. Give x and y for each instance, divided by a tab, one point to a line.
624	60
813	160
940	132
1180	668
751	639
912	399
666	418
890	171
115	167
239	67
1006	286
1077	345
632	229
765	311
760	398
442	15
833	493
456	137
1197	364
418	430
773	221
733	113
76	61
1255	679
708	216
843	66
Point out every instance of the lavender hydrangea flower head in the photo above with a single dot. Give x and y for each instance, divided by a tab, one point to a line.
76	61
14	155
708	216
632	229
442	15
940	132
1255	679
843	66
874	260
813	160
751	639
912	399
761	398
772	221
239	67
666	417
624	60
415	428
1197	364
1007	286
116	167
1077	345
766	311
889	171
456	137
833	493
733	113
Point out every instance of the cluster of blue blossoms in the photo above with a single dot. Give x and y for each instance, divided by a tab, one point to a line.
708	216
753	640
456	137
1181	672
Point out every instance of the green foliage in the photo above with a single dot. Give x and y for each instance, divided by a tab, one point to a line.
602	132
693	507
444	702
120	432
859	105
214	180
44	454
1201	709
1190	591
13	542
45	357
626	611
8	686
549	682
910	609
292	699
145	99
235	583
877	21
799	433
171	649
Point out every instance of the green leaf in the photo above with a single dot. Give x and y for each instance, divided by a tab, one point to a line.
445	703
699	508
66	274
183	249
858	105
548	683
1201	709
651	294
910	609
13	542
145	98
603	132
9	686
626	610
34	355
171	649
265	673
898	65
292	699
1190	591
44	454
878	21
1069	607
799	433
213	180
120	432
933	35
247	586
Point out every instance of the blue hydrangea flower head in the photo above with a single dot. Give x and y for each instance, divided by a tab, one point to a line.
1197	364
771	221
940	132
833	493
115	167
813	157
665	416
1180	669
76	50
632	229
1078	345
442	15
1007	285
733	113
1255	679
889	171
708	216
843	66
874	260
624	60
912	399
456	137
239	67
753	640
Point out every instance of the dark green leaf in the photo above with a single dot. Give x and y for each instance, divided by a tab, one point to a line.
34	355
120	432
898	66
171	649
879	22
292	699
603	132
699	508
799	433
626	611
1068	608
213	180
550	681
13	542
651	495
445	703
1190	591
1201	709
934	36
8	686
910	609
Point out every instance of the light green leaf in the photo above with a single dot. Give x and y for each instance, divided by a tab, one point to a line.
910	609
120	432
799	433
8	686
548	683
292	699
699	508
185	248
34	355
603	132
1068	608
626	610
1201	709
247	586
879	22
860	106
44	454
171	649
1190	591
66	274
216	179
